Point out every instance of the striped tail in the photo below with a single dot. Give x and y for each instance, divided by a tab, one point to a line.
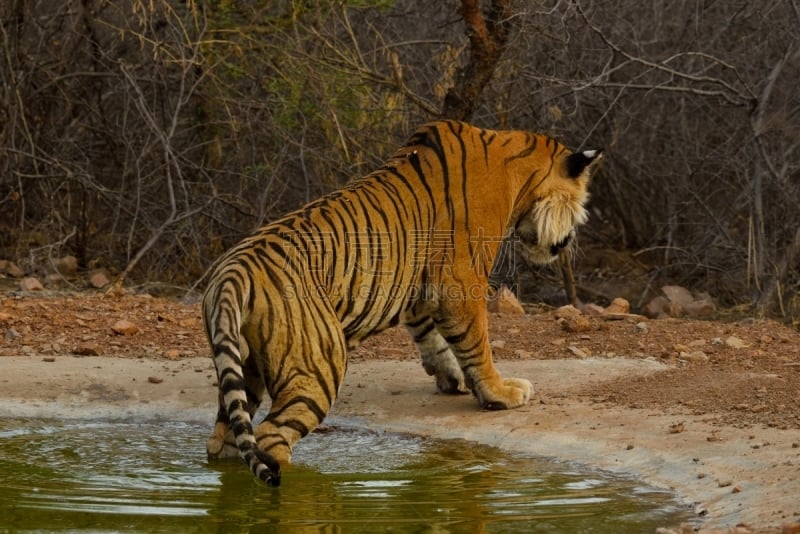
223	317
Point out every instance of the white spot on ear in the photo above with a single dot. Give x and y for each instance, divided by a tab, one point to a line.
590	154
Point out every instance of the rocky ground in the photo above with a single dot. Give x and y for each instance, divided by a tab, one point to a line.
736	378
743	373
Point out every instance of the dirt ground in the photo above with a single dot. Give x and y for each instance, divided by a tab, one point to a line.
709	408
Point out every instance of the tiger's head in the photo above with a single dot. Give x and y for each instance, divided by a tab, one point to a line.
547	219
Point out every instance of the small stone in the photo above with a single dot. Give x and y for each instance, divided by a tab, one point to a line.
173	354
124	328
580	353
4	317
735	343
524	354
67	265
697	356
154	379
641	327
736	489
49	359
701	307
618	305
98	279
13	270
657	308
498	344
575	324
87	349
504	302
678	295
592	309
677	428
566	311
12	334
30	284
725	483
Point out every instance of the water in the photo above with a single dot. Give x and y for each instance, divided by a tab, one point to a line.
112	476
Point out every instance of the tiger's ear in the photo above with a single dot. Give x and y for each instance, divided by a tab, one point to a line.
577	162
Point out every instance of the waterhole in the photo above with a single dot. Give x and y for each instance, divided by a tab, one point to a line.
114	476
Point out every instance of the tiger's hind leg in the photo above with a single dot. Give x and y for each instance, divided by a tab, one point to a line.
437	358
305	386
222	443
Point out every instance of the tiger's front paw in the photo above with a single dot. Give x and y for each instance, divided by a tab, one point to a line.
513	393
451	383
449	377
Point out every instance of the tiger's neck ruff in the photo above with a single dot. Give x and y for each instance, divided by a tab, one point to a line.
411	244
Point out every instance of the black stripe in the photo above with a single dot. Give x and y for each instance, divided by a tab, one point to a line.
420	336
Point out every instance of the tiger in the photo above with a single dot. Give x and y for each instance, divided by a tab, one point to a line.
412	243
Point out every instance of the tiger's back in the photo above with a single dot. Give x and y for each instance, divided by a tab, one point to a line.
411	243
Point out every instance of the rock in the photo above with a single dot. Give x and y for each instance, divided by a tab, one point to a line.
657	308
12	334
504	302
641	327
172	354
124	328
4	317
678	295
592	309
87	349
98	279
498	344
677	428
735	343
680	301
577	352
567	311
697	356
30	284
576	324
67	265
618	305
154	379
702	306
13	270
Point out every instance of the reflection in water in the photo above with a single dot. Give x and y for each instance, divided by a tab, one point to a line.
115	476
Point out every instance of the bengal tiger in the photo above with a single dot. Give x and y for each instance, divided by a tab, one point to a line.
411	243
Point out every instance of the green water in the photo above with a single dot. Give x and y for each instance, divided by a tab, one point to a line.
104	476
